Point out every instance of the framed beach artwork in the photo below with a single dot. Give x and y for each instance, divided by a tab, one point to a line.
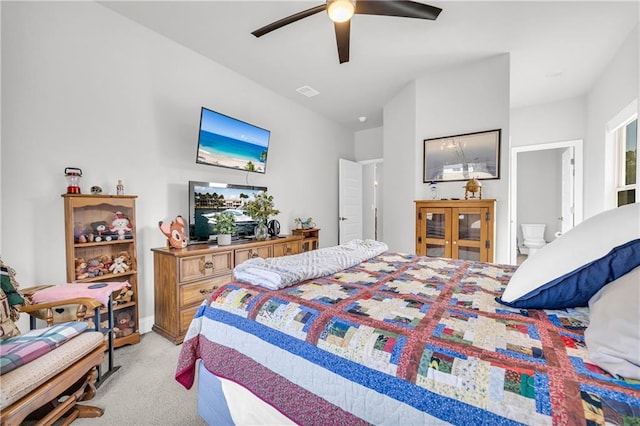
462	157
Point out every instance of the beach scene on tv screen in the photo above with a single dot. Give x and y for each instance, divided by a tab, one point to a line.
228	142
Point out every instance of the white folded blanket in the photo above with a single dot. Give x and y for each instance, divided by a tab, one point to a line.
279	272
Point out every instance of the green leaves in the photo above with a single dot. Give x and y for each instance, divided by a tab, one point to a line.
262	207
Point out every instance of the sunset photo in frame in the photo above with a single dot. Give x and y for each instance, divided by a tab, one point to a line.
462	157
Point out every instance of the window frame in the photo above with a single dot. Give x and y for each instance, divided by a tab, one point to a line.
615	156
620	140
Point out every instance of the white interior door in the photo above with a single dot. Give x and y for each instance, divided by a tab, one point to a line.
568	178
350	201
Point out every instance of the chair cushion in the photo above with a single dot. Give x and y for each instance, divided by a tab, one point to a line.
19	382
7	326
99	291
19	350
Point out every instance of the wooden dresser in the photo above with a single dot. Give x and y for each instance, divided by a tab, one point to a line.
184	277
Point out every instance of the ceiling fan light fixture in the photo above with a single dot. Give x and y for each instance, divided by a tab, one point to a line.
341	10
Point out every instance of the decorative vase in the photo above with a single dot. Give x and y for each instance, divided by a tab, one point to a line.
224	239
261	231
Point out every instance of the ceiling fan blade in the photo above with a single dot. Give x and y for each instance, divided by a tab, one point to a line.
405	9
288	20
343	29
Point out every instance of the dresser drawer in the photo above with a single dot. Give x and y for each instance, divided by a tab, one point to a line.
207	265
186	315
250	253
285	249
197	292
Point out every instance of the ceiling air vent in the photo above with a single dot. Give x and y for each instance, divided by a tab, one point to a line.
308	91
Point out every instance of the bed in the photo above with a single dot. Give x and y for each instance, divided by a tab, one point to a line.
406	340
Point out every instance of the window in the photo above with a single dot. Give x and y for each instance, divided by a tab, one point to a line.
626	140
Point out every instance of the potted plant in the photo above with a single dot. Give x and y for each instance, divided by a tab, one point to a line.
225	226
260	209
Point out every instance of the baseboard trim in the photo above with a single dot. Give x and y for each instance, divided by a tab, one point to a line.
145	324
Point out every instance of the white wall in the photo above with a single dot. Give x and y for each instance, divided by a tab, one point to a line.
368	144
551	122
399	139
470	98
616	88
85	87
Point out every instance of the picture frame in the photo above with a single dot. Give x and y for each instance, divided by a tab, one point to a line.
462	157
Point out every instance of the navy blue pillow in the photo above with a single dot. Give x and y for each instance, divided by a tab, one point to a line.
578	286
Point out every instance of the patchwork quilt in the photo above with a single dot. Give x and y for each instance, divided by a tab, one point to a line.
402	339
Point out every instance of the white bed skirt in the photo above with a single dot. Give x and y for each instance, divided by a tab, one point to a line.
223	402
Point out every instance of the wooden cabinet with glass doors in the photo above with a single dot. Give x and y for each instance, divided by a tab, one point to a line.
459	229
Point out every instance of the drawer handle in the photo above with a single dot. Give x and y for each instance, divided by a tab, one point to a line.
252	255
288	250
205	291
205	265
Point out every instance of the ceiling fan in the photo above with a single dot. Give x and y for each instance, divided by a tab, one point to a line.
341	11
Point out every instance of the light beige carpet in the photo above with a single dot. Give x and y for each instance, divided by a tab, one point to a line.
143	391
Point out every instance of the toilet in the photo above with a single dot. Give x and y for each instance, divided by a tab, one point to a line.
533	234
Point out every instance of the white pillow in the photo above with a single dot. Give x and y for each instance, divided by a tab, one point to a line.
568	271
613	335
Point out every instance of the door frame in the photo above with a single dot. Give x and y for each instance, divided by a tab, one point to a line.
343	166
578	181
376	197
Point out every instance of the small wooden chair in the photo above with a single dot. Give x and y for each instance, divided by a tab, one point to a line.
49	387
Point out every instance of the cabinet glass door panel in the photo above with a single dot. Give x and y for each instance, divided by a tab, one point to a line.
469	226
435	250
469	253
436	223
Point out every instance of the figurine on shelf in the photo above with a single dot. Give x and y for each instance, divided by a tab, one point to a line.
121	226
304	224
120	188
124	297
81	269
93	268
118	266
473	186
124	324
105	263
125	256
81	234
174	232
100	231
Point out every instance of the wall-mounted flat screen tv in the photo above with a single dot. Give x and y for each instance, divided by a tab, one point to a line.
208	198
228	142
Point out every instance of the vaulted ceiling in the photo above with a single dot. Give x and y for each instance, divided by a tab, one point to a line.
557	49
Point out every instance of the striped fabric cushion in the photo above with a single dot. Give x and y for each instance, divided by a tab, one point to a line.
19	350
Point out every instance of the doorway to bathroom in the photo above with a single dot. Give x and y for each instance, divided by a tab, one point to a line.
546	185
